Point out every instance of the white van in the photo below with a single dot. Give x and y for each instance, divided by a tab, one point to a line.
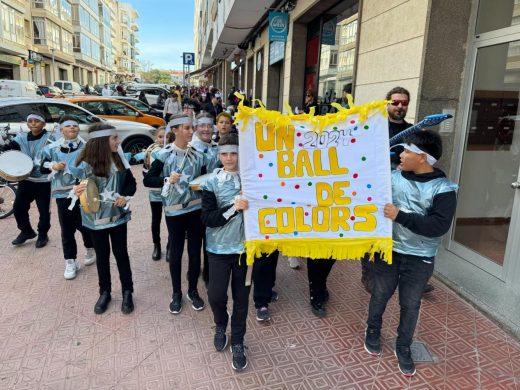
69	87
18	88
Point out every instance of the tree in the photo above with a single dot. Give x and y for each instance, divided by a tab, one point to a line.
156	76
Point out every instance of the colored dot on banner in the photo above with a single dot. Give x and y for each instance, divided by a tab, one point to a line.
341	234
309	183
297	186
355	128
300	145
369	185
298	134
293	202
309	205
353	140
265	196
366	127
369	199
355	175
334	128
352	121
302	127
306	214
270	164
279	200
352	218
295	233
267	237
261	155
363	158
354	193
260	175
267	222
282	184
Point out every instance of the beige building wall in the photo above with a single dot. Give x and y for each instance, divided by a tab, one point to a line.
387	55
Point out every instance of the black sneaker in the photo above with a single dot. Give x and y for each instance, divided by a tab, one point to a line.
405	361
262	314
220	340
318	309
373	342
22	237
239	357
176	303
196	301
42	240
274	296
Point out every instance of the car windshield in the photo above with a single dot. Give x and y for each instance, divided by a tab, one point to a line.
56	111
138	104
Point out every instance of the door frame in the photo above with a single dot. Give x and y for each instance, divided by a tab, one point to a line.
510	269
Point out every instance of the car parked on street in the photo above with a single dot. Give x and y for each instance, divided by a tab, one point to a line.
151	91
19	88
141	106
69	87
13	112
106	107
50	91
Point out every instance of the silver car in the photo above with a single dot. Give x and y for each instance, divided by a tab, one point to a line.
13	112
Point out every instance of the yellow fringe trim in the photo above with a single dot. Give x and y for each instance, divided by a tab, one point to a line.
318	123
322	248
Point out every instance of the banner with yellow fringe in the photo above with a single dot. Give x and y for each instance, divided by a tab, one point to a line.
316	185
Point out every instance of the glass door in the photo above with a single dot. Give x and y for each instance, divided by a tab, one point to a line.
487	217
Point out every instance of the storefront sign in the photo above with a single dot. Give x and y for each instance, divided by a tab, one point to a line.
276	52
278	26
328	35
316	185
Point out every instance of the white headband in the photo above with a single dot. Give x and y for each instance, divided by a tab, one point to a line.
180	121
204	121
102	133
69	123
414	148
228	149
35	116
108	133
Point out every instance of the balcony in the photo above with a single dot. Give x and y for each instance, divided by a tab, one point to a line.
134	26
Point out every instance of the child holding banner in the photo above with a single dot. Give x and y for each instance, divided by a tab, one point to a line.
424	202
222	209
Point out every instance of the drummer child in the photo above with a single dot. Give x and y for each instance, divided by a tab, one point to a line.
222	209
37	187
57	158
202	142
175	166
102	161
154	194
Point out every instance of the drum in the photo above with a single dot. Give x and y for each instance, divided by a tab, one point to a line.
89	199
15	166
195	183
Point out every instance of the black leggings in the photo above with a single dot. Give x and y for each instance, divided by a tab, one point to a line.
117	236
157	209
264	278
318	271
70	221
178	227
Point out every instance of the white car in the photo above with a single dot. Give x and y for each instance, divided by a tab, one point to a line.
13	112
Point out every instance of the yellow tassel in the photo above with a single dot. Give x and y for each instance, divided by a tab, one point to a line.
322	248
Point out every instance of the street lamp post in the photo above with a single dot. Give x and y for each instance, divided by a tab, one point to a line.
53	79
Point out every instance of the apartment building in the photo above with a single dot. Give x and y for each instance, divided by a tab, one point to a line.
88	41
461	58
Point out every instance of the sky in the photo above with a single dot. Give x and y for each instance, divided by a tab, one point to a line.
165	31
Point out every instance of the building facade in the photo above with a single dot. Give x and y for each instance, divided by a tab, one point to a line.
87	41
460	58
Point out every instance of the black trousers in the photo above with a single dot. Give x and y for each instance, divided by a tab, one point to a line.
410	273
70	221
318	271
222	269
157	210
264	278
27	192
117	236
178	227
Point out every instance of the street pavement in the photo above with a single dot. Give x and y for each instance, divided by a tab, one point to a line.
50	337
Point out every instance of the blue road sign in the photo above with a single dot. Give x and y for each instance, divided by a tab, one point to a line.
188	58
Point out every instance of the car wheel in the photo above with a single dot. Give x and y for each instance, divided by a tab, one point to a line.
136	145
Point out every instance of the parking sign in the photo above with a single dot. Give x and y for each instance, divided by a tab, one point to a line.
188	58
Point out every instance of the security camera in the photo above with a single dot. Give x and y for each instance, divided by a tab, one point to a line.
290	5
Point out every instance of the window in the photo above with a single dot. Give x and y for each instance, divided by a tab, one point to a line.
39	31
346	61
119	109
333	59
85	45
56	111
52	33
66	10
95	51
53	6
13	28
94	107
348	33
66	41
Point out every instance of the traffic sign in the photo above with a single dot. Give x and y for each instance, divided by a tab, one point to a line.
188	58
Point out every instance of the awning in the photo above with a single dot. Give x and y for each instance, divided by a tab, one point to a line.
201	71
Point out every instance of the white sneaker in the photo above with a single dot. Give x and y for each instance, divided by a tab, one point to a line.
294	262
90	257
71	267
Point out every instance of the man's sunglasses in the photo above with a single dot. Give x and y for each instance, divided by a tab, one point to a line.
403	103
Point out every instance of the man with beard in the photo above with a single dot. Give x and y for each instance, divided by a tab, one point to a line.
397	110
